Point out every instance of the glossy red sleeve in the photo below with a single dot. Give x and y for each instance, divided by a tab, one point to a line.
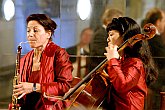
62	75
124	77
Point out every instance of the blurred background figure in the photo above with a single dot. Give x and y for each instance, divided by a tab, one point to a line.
99	42
79	51
156	16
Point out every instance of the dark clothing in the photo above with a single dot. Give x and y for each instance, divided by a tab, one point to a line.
97	47
73	51
32	98
99	42
158	50
156	46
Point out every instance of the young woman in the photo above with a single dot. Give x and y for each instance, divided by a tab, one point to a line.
130	70
45	70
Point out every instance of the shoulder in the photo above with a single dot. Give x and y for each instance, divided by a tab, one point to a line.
100	34
51	49
30	53
100	30
155	39
72	49
134	62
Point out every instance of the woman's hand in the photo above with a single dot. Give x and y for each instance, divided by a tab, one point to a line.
22	88
111	51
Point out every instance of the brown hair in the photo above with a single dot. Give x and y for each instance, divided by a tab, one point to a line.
109	14
153	15
45	21
85	29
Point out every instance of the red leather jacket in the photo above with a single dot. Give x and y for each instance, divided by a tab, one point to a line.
54	76
128	84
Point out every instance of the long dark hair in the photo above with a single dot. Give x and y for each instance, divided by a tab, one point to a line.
128	28
44	20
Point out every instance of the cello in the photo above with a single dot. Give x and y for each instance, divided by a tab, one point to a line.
90	92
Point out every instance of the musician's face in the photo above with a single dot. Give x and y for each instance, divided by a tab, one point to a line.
36	33
114	38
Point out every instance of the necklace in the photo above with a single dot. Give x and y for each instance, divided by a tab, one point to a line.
36	60
37	55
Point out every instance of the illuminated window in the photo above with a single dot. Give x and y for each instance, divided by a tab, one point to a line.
8	9
83	9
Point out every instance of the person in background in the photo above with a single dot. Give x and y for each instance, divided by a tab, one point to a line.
98	42
130	70
156	16
44	71
82	48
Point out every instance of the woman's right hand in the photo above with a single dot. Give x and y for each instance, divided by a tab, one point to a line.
111	51
22	88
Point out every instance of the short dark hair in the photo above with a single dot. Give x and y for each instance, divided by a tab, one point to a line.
153	15
44	20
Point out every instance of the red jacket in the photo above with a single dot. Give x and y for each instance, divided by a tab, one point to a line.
54	77
128	83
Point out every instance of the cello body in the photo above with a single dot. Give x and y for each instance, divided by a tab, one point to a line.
91	95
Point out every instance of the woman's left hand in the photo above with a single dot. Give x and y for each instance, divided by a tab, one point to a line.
111	51
22	88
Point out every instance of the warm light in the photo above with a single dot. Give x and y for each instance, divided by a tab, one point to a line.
8	9
83	9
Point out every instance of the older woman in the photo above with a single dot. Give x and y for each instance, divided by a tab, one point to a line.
45	70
